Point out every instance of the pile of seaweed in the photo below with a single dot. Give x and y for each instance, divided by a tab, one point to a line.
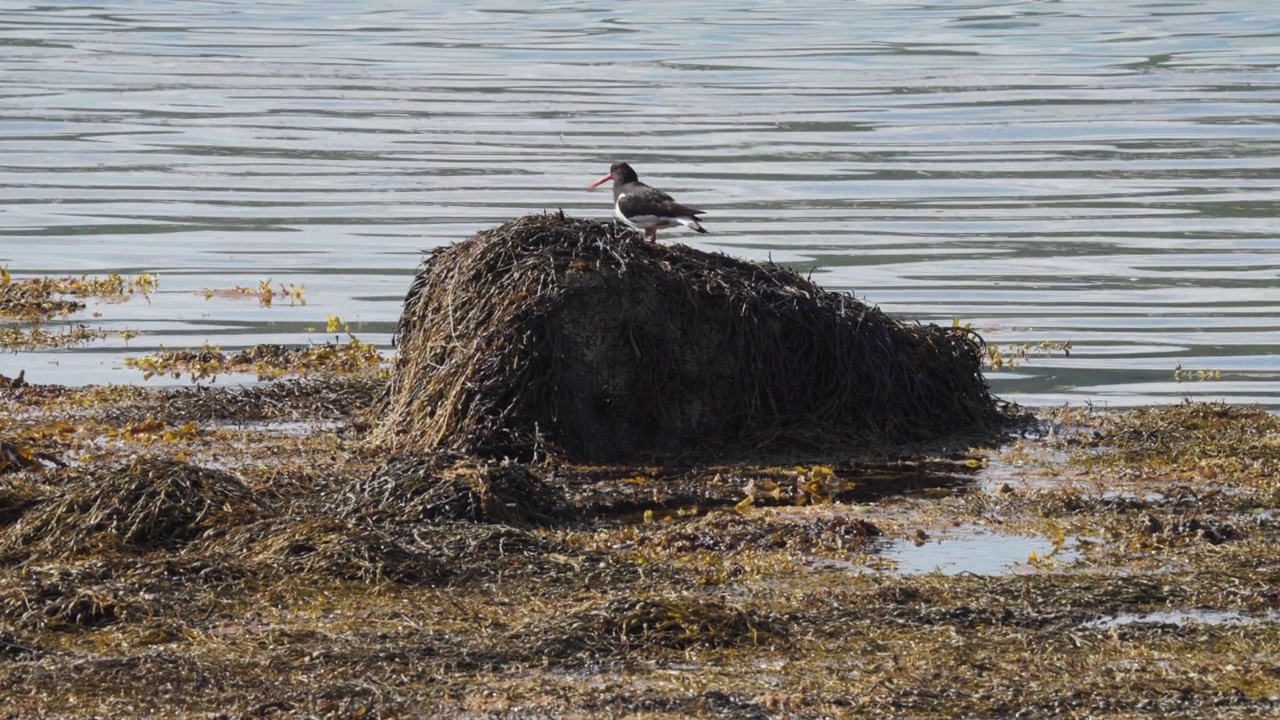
408	523
550	334
141	504
442	487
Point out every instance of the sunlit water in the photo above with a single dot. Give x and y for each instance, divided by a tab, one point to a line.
1102	172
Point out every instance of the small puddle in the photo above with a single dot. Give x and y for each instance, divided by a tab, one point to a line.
1179	618
973	550
687	494
677	513
285	428
1135	496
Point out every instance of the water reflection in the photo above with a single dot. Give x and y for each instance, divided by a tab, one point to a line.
1099	172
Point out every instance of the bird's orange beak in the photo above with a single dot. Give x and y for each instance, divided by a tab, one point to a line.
600	182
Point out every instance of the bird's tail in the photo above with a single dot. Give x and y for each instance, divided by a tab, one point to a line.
692	224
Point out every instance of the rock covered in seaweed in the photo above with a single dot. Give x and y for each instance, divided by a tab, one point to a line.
579	336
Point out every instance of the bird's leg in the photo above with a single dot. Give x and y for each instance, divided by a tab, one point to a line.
651	234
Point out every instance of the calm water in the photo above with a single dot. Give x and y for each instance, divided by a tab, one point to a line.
1104	172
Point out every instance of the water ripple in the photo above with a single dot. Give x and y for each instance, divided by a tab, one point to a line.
1102	172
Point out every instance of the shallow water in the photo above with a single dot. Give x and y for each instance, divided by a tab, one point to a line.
1100	171
973	550
1180	617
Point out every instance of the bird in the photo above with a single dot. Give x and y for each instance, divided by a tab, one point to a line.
646	208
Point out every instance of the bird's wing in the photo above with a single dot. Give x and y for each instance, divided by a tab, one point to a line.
652	201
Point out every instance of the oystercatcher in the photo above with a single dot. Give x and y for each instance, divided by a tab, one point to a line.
643	207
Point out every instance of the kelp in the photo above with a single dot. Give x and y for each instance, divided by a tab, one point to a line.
550	334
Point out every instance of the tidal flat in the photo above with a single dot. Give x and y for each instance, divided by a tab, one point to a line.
248	552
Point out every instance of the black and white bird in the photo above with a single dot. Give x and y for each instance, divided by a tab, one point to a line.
643	207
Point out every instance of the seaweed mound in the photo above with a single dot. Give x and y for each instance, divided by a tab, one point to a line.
440	488
610	627
333	548
550	333
144	504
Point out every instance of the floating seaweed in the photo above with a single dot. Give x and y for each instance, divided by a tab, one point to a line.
264	293
35	301
267	361
41	298
37	337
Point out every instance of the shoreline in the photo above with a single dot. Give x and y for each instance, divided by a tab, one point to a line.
1135	562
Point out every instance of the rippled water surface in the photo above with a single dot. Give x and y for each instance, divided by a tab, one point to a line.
1103	172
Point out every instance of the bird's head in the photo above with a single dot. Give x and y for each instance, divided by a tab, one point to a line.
619	173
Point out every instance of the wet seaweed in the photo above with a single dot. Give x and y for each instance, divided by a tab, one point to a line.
730	533
13	648
444	486
40	298
111	589
16	497
140	505
16	458
549	332
341	397
37	337
266	361
58	604
1188	438
619	625
264	293
403	598
36	301
327	547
